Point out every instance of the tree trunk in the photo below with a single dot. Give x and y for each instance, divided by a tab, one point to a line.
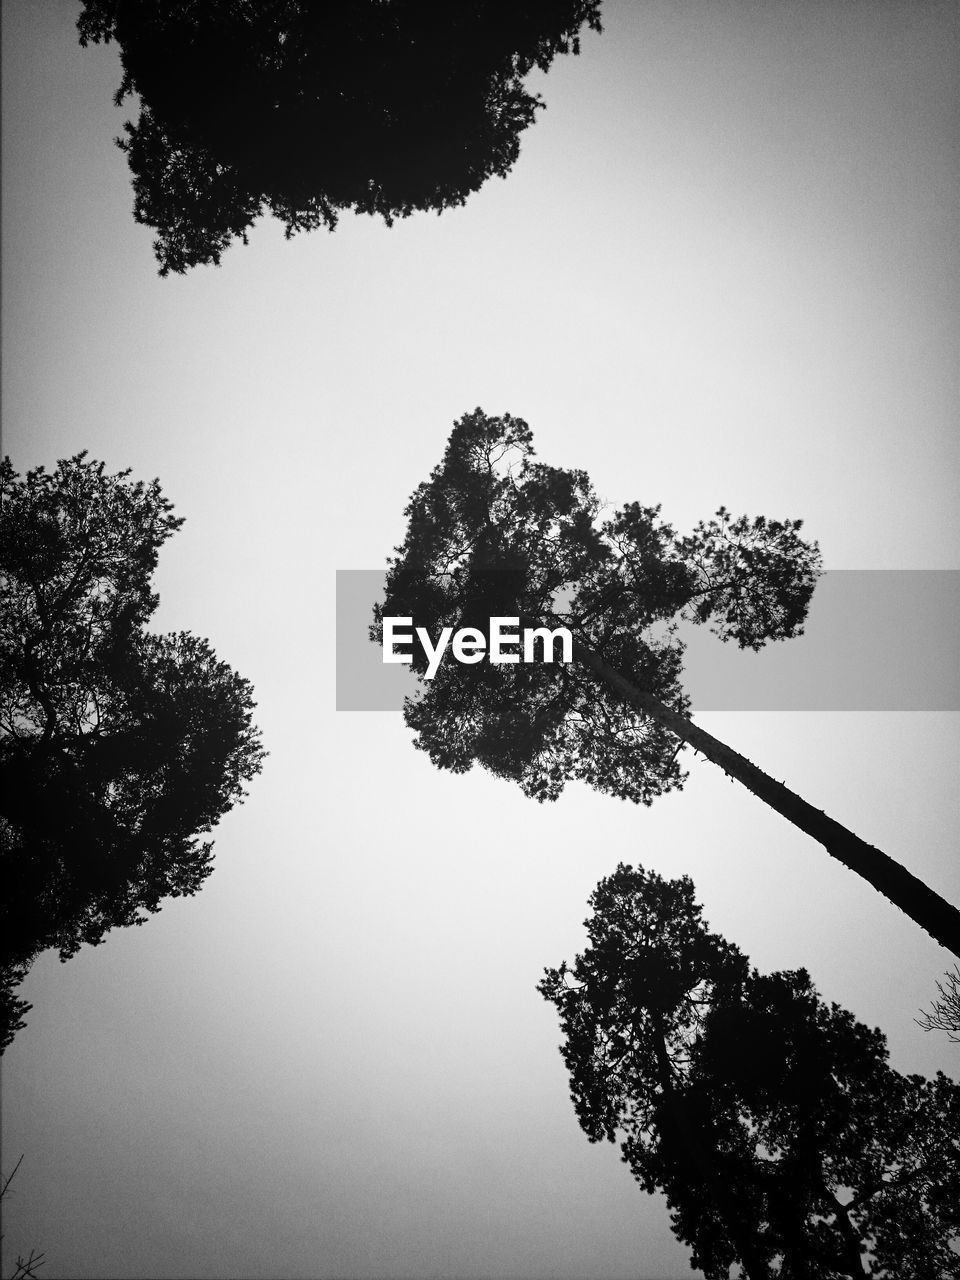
928	909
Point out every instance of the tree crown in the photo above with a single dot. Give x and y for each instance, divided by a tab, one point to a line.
766	1115
308	110
495	532
119	748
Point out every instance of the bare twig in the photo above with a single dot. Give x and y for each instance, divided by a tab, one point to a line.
26	1267
944	1014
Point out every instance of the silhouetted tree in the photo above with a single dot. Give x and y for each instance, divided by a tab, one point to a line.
118	748
783	1140
309	109
495	533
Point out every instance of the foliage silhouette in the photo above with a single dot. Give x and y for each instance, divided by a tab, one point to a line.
118	748
493	532
310	109
783	1140
13	1010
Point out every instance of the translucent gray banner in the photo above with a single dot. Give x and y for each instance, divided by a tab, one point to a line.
875	640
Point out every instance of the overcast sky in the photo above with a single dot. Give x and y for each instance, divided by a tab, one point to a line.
724	270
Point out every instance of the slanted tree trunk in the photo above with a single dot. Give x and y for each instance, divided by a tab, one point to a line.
928	909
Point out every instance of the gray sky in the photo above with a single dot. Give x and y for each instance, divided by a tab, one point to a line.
724	270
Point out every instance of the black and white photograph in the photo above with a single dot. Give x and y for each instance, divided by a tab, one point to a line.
480	640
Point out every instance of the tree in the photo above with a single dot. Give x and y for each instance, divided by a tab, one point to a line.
310	109
494	533
118	748
784	1141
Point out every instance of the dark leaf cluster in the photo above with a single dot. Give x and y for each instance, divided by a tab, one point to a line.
495	532
783	1139
119	749
307	109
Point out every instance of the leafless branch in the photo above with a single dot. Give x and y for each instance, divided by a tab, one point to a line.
944	1014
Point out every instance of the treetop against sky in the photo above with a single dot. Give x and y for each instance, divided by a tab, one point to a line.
495	533
721	270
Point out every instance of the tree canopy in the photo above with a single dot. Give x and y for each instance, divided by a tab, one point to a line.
784	1141
496	533
119	748
307	110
